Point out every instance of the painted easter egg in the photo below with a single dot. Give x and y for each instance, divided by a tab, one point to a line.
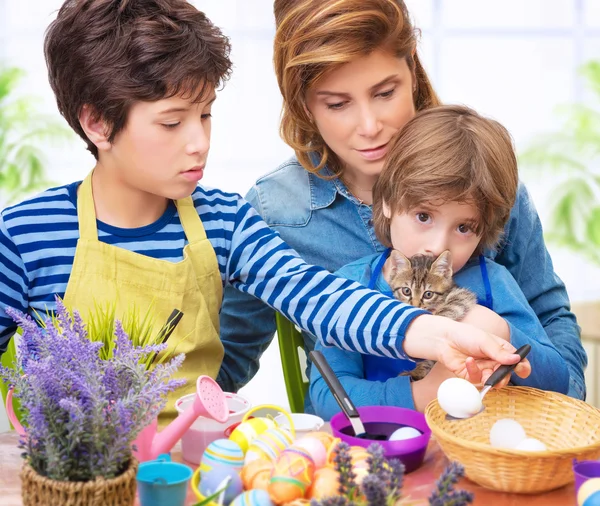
253	498
218	477
247	431
324	437
360	462
283	490
257	474
587	489
332	451
222	452
314	447
296	463
268	445
325	484
292	475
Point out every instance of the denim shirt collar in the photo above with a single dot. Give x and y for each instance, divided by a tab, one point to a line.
323	190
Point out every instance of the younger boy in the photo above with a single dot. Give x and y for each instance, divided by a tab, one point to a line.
136	79
449	183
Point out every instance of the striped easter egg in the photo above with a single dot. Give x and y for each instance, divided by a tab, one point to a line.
247	431
253	498
268	445
222	452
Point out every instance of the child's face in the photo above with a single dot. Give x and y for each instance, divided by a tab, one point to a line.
164	146
432	229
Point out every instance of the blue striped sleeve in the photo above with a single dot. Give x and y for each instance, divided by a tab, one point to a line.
13	284
339	312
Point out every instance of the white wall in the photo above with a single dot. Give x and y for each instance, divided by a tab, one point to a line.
515	60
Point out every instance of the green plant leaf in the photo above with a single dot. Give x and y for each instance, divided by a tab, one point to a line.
593	228
23	132
572	152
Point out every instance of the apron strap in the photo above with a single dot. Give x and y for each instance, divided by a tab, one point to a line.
190	221
489	299
375	274
86	213
88	228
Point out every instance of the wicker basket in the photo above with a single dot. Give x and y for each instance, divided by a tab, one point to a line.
38	490
569	428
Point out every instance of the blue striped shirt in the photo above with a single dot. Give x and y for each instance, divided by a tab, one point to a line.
38	238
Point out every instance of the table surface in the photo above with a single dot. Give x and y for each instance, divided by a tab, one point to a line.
417	485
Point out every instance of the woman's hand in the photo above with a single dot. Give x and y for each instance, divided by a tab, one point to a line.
452	343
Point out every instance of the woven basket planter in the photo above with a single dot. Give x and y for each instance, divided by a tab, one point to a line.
38	490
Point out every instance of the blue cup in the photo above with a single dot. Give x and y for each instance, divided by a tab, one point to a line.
162	482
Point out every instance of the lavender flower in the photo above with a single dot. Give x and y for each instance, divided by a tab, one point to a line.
337	500
343	465
375	491
396	474
444	494
82	412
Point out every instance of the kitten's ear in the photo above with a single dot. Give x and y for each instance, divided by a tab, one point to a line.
442	266
399	261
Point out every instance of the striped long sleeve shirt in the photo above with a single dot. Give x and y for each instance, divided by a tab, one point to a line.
38	238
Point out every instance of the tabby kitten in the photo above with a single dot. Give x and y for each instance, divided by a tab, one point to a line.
427	283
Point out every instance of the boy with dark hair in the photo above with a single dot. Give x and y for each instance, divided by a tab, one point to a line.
136	79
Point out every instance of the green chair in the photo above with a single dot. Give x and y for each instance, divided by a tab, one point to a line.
290	340
7	360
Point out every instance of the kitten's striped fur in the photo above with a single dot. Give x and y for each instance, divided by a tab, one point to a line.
426	282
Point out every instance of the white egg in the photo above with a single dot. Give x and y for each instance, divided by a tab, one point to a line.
459	398
404	433
507	433
531	444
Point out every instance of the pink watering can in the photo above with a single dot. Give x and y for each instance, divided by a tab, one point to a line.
210	402
10	413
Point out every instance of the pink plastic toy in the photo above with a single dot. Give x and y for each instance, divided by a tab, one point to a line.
210	402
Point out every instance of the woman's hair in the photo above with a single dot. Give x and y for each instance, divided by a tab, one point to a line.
449	154
109	54
314	37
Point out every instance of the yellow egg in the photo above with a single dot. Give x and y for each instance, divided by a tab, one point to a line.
588	488
245	432
268	445
325	484
257	474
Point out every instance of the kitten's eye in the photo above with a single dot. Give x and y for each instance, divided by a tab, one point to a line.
427	295
423	217
406	291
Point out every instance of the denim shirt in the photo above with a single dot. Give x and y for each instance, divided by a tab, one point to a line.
549	370
329	227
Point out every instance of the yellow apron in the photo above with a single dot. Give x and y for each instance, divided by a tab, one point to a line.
104	274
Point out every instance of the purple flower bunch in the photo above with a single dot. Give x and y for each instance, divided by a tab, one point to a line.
82	412
382	486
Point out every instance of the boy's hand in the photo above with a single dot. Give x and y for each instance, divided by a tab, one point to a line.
452	343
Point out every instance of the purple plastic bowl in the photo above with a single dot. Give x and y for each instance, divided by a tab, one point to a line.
385	420
585	470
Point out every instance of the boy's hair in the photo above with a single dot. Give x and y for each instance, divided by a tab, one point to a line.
315	37
109	54
449	154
